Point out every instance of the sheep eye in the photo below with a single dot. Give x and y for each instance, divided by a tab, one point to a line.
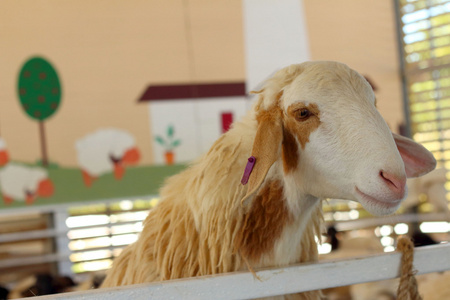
303	114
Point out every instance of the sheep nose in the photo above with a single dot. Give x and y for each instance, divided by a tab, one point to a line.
395	183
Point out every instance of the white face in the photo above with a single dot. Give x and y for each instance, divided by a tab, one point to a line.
346	149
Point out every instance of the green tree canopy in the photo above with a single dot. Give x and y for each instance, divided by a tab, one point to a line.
39	88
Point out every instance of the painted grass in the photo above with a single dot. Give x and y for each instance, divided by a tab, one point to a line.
69	186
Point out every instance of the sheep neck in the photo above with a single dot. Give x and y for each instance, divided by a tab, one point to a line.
281	225
282	222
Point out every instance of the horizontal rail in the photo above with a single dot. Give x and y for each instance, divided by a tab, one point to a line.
50	233
393	219
50	208
30	235
33	260
272	282
59	257
340	225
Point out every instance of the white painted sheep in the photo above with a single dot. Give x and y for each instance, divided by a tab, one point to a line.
315	133
105	151
4	157
24	183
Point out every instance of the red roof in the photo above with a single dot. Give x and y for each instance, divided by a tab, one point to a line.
190	91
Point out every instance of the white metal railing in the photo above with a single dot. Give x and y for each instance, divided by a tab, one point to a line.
59	233
64	252
272	282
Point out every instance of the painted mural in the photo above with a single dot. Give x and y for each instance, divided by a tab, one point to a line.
197	113
4	156
184	122
20	182
39	92
111	107
106	151
169	143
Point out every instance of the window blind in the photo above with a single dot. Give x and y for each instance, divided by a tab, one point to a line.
97	233
425	28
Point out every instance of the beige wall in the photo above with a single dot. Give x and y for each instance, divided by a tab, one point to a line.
362	34
106	53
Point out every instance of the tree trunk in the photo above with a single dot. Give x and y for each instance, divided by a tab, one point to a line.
43	144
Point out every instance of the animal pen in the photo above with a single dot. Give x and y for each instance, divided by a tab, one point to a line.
277	281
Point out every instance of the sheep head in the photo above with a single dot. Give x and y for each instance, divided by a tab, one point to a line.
318	120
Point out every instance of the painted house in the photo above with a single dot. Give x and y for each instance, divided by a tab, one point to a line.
186	119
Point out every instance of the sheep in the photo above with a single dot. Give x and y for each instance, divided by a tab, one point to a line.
41	284
314	133
24	183
431	185
4	156
104	151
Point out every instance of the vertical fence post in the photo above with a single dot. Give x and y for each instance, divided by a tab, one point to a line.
62	240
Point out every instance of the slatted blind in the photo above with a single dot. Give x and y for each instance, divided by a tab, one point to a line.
425	25
97	233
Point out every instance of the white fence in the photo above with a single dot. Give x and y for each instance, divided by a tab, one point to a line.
292	279
60	235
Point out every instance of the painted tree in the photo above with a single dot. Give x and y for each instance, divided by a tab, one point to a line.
39	92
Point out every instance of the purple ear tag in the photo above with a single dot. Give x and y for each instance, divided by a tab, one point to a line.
248	169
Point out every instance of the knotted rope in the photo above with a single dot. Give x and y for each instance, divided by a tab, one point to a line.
407	288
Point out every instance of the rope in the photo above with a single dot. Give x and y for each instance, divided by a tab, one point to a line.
407	288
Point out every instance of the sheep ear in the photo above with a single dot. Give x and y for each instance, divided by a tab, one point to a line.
417	159
266	149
